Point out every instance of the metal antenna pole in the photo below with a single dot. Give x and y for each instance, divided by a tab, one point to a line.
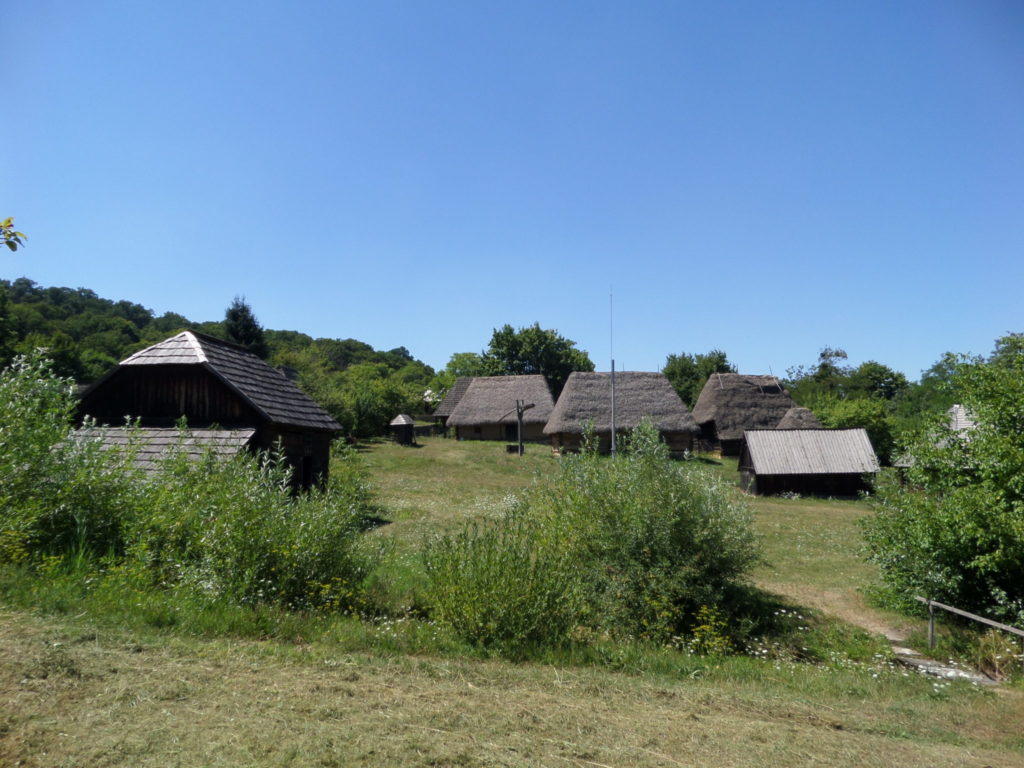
611	349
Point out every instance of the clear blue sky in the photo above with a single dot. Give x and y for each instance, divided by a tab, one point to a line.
764	178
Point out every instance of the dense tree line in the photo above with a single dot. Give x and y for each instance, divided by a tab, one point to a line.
363	388
86	335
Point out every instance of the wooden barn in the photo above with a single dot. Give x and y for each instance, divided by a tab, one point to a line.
730	403
487	409
587	400
816	462
229	397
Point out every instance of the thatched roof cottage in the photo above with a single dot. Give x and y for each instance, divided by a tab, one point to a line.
487	410
730	403
230	398
587	400
821	462
799	418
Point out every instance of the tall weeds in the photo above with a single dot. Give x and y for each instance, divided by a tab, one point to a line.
228	529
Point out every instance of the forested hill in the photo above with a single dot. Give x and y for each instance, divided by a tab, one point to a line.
87	335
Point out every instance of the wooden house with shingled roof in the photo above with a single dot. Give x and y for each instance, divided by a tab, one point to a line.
230	398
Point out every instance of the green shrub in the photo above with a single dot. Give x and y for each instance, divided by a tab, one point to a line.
232	529
635	546
56	494
655	539
507	585
954	531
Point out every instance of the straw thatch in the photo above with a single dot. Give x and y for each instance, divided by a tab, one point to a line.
586	401
487	410
799	418
815	461
730	403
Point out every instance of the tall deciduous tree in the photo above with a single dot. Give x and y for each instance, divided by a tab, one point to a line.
955	531
243	328
535	350
687	372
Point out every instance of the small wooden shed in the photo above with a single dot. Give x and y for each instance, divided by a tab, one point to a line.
216	386
817	462
586	400
403	429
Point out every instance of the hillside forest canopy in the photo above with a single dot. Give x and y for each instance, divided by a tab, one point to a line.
86	335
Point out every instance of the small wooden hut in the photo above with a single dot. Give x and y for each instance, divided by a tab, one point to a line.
403	429
818	462
487	409
730	403
216	387
586	402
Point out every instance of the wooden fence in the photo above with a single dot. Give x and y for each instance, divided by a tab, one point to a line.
932	605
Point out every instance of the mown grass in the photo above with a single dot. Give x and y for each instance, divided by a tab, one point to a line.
94	670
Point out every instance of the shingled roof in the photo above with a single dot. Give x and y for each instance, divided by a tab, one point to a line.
268	391
736	401
451	399
151	444
492	400
587	399
810	451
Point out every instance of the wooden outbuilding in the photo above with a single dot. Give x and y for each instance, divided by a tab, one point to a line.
487	409
403	429
730	403
817	462
586	402
224	392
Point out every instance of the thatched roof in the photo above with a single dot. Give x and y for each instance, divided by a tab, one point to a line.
266	390
799	418
810	451
403	420
492	400
451	399
587	399
152	444
736	401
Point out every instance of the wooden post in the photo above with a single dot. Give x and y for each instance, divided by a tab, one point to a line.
931	625
519	434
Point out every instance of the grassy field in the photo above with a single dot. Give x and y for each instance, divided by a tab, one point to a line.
81	688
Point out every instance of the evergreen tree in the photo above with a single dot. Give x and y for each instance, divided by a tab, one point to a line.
243	328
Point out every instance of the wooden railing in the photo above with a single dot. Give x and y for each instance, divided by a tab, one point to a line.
932	605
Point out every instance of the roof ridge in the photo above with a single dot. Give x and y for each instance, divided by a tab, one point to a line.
196	346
